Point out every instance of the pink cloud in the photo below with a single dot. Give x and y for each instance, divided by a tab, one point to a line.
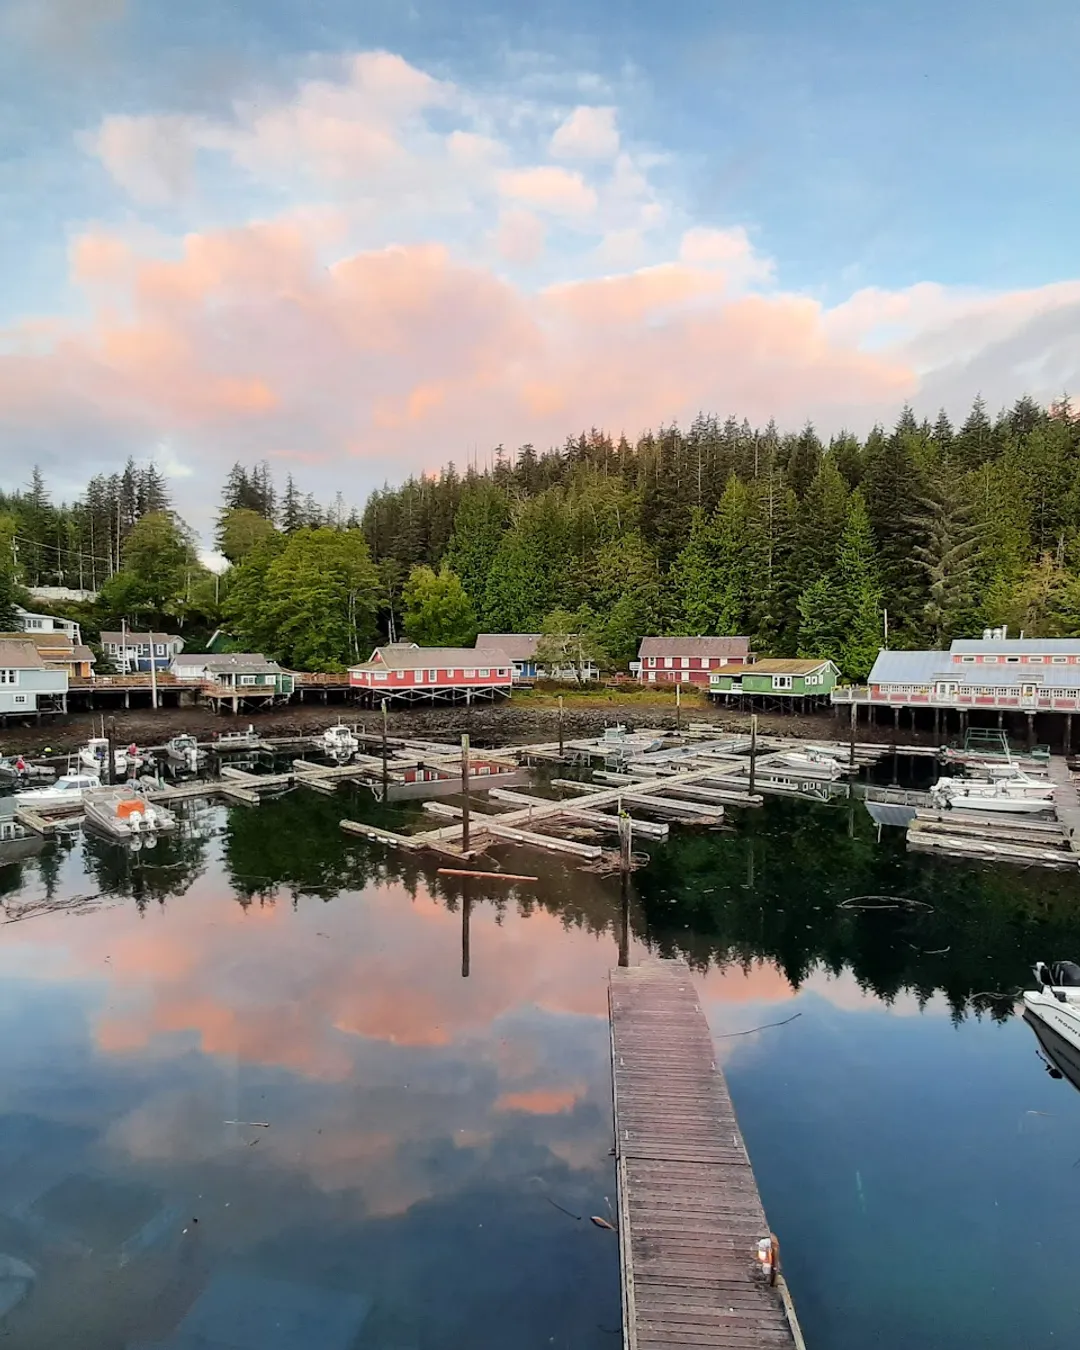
520	236
588	133
549	188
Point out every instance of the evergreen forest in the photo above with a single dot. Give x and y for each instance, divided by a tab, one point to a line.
808	546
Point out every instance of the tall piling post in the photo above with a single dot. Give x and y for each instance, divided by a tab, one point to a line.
466	917
465	793
626	849
678	706
560	725
108	768
753	753
854	724
385	770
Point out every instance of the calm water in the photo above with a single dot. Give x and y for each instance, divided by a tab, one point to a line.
418	1153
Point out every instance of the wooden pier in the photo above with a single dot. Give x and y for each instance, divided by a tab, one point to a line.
690	1217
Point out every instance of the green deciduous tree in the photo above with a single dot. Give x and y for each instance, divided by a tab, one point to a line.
159	566
239	530
569	642
438	612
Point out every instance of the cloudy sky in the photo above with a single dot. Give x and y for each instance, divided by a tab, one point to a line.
360	238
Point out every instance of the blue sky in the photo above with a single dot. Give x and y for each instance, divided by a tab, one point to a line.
862	153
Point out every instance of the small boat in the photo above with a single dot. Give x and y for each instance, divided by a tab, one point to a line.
22	771
124	813
988	796
1003	783
237	740
820	763
1056	1002
68	790
95	753
338	740
184	749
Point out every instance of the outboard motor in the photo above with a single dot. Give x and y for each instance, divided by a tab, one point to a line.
1058	975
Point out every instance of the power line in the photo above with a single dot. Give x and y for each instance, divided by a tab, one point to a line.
58	548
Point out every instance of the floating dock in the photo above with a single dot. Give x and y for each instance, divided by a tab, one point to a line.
690	1217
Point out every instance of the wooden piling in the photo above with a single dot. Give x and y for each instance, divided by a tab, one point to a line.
753	751
465	791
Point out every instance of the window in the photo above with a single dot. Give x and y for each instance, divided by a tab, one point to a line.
433	675
1036	660
9	677
667	662
1060	660
161	649
484	674
19	698
686	663
990	660
1012	660
651	661
500	673
469	674
249	679
967	658
781	681
380	674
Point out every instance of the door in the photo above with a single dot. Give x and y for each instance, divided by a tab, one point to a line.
1027	695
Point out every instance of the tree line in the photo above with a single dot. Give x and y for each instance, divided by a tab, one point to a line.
801	544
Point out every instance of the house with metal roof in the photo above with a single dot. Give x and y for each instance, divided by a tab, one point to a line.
995	673
521	648
28	684
410	673
688	660
131	651
234	677
777	677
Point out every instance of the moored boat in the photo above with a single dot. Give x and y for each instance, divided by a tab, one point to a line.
68	790
94	755
184	749
972	795
22	771
124	813
237	740
1056	1002
338	740
820	763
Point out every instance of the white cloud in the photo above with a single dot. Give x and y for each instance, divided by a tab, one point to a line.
588	133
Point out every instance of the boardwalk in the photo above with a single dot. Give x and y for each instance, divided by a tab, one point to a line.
1066	802
689	1212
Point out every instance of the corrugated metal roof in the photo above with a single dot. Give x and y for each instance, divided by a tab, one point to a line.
403	656
245	662
516	646
50	641
20	654
781	665
732	647
1017	646
907	667
138	639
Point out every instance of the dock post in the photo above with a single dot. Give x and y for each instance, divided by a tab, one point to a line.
466	916
110	759
1068	733
854	721
678	706
1030	730
626	850
560	726
465	793
385	776
753	752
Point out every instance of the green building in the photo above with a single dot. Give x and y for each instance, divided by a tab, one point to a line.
775	678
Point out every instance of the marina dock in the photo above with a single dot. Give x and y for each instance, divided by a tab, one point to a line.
690	1216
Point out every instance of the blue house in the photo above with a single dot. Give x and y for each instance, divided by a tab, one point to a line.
133	652
521	649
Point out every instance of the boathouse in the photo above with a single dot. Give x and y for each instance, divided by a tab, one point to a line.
28	685
688	660
774	678
521	649
234	676
993	674
410	673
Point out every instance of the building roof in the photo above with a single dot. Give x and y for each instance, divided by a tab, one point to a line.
694	646
1016	646
19	653
408	656
781	665
908	667
243	663
81	652
134	639
50	641
516	646
195	658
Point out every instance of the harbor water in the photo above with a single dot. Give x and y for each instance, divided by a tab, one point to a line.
265	1084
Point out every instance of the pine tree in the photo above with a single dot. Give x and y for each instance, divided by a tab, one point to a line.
292	512
947	556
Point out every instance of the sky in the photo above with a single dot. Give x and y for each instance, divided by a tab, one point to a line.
364	238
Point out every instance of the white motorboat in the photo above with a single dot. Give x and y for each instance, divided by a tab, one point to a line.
185	750
94	755
817	762
339	741
970	795
1056	1002
22	771
68	790
124	813
1014	784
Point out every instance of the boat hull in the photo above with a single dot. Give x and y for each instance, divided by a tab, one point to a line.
1063	1019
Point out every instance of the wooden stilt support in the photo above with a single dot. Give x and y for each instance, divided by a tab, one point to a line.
465	792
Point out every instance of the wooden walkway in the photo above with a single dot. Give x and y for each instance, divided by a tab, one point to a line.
1066	802
690	1216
